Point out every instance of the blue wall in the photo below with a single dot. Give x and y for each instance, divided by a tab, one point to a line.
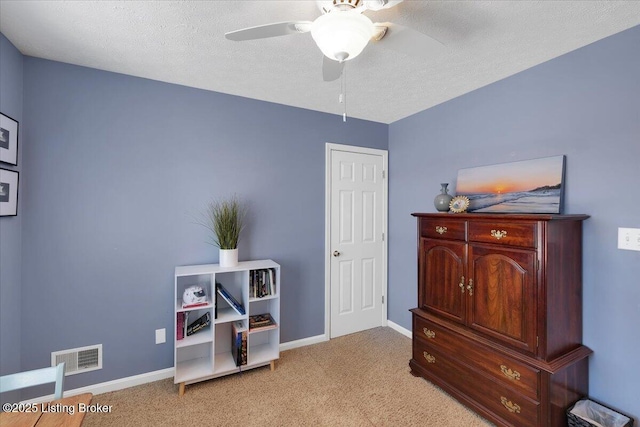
116	169
11	70
586	105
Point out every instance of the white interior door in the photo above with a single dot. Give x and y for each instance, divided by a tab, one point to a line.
357	249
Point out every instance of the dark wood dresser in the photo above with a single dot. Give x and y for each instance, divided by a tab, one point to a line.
499	317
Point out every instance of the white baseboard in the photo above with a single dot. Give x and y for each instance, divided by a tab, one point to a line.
114	385
303	342
122	383
399	328
149	377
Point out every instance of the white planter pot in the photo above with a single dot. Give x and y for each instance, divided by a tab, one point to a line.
228	257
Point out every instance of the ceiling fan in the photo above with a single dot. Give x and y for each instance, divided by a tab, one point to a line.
342	32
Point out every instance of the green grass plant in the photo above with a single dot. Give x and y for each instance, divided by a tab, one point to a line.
225	219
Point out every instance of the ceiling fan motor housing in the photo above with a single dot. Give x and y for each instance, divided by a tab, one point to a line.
327	5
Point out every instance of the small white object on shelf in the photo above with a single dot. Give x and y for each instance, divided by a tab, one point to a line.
194	296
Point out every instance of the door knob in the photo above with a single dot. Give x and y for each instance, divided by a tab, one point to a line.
336	253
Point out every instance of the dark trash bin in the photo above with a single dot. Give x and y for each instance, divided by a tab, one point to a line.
587	413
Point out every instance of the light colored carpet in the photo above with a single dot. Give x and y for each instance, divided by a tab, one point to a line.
361	379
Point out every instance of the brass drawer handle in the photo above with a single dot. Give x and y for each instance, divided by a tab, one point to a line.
430	358
514	375
429	333
461	284
511	407
498	234
441	230
470	287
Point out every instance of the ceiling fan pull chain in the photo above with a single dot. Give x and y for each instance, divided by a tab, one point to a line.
343	95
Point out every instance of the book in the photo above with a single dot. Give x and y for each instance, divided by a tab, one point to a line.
272	281
185	323
199	324
195	304
230	299
263	283
179	325
239	343
261	322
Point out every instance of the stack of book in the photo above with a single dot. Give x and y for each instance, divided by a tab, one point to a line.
262	282
261	322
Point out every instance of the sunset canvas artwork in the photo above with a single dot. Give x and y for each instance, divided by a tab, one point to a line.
528	186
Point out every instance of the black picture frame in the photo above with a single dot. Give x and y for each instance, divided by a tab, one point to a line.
9	192
9	129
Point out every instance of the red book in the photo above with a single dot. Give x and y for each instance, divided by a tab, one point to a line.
196	304
180	326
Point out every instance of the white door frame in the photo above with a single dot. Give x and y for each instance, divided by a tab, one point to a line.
327	227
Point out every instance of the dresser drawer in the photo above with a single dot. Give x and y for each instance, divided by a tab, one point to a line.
443	228
515	408
506	233
506	403
493	363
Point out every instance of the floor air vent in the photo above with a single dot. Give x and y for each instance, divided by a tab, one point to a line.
79	360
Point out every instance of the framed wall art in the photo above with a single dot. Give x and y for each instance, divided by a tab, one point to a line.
527	186
8	140
8	192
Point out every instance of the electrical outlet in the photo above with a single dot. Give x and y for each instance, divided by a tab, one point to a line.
629	239
161	336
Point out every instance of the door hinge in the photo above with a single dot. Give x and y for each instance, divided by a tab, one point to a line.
538	264
384	174
383	237
537	342
383	299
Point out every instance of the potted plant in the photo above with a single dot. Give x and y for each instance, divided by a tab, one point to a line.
225	219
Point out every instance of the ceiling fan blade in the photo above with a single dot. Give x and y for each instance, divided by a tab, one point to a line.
331	70
408	41
269	30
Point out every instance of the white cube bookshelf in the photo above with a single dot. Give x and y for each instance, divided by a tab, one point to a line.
208	354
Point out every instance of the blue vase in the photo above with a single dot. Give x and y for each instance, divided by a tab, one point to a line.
443	199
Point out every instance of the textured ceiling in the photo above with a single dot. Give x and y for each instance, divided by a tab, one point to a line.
183	42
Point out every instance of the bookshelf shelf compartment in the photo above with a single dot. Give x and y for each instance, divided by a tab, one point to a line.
262	354
226	315
193	369
224	363
268	297
208	353
203	336
179	308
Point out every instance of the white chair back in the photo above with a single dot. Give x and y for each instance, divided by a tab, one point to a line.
26	379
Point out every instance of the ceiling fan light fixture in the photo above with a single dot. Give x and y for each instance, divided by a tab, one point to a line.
342	35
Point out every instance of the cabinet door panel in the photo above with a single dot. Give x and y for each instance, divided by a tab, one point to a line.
441	270
504	298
